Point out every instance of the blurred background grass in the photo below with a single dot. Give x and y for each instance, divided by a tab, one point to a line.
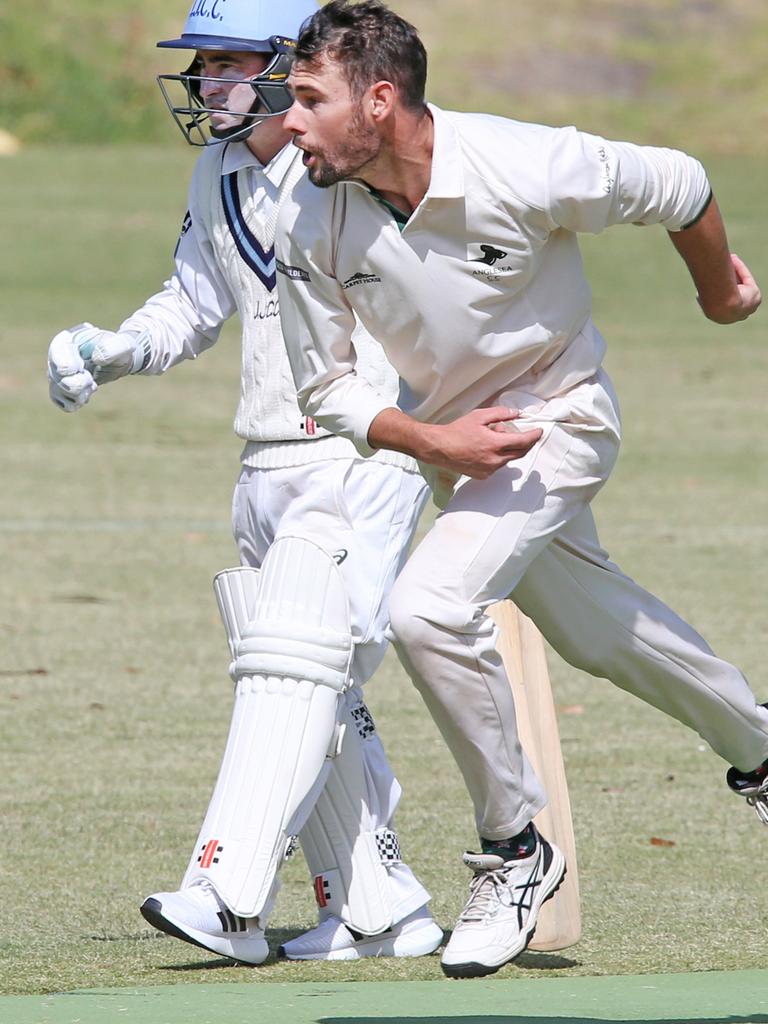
686	72
114	700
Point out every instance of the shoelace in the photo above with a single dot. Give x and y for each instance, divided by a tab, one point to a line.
759	801
485	890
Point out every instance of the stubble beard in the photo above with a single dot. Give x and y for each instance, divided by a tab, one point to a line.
349	158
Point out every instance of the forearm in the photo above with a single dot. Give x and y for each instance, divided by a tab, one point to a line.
399	432
475	445
704	248
177	329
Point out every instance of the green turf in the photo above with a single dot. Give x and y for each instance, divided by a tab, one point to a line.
739	997
114	699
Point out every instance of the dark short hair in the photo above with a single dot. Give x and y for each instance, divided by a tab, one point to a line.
371	43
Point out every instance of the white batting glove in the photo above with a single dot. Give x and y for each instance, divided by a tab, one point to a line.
81	358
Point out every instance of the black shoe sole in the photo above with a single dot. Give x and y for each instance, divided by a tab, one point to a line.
152	912
475	970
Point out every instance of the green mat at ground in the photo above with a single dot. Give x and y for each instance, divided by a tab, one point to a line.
736	997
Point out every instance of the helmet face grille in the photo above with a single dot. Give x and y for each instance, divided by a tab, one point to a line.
183	97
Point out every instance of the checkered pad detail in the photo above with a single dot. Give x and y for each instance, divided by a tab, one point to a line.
363	719
388	846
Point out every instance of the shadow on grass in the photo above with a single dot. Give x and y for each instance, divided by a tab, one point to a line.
529	960
506	1019
203	965
544	962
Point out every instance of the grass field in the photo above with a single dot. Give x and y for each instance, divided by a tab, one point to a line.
113	689
685	72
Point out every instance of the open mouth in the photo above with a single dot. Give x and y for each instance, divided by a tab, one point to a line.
306	156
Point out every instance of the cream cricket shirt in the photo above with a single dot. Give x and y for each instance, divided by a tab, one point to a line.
483	291
225	263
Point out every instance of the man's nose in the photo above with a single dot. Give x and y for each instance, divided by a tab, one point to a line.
209	87
292	122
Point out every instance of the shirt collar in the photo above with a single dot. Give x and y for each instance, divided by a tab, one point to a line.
447	172
447	175
237	156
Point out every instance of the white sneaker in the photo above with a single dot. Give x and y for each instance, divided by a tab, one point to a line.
197	915
415	935
753	786
500	916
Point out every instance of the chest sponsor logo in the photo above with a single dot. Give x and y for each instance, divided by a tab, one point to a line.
295	273
359	278
490	267
491	255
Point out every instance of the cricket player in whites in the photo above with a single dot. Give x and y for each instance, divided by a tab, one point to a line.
463	228
321	535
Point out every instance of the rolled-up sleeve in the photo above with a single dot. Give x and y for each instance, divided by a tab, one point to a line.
594	183
318	324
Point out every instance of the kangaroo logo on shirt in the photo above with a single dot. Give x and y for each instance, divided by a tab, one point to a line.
490	256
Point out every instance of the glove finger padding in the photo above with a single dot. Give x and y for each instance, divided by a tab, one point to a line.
72	392
110	355
71	383
84	356
64	358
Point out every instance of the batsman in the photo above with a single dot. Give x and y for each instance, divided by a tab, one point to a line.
321	534
454	238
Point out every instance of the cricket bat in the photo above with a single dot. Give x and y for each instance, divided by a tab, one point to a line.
521	647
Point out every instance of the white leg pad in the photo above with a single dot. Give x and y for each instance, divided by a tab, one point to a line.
291	668
236	591
346	849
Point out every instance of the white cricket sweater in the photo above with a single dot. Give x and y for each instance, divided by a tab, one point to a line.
483	292
225	263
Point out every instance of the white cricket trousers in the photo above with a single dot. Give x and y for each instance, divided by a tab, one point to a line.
365	513
527	532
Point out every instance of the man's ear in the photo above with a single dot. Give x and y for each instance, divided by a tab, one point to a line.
382	98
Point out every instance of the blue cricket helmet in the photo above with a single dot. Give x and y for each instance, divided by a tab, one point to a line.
270	27
242	25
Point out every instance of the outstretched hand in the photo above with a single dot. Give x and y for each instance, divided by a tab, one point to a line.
479	443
